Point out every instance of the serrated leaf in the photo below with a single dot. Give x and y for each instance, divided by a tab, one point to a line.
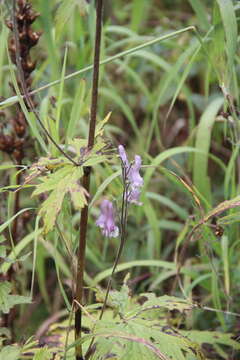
45	164
144	339
78	195
70	183
212	337
65	177
140	348
50	181
51	207
167	302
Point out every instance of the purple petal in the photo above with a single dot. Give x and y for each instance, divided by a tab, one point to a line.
134	176
123	155
106	220
133	196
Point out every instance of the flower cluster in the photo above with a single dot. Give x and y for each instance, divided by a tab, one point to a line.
106	220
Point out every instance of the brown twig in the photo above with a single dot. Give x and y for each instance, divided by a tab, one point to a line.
86	181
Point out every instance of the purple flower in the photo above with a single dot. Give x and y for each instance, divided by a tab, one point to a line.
106	220
133	196
123	155
133	176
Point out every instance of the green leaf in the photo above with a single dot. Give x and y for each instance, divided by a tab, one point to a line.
43	354
212	337
76	108
67	9
10	353
230	27
166	302
143	339
5	288
223	206
203	139
8	222
2	251
201	13
119	300
7	301
69	182
101	124
5	332
229	219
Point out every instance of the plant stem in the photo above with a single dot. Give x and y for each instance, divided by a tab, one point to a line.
86	181
16	208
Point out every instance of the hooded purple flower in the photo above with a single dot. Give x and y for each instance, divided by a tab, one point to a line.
123	155
133	196
133	176
106	220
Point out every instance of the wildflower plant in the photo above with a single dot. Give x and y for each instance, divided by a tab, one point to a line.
141	323
132	184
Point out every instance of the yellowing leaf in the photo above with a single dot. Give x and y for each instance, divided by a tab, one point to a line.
101	124
78	193
166	302
225	205
67	181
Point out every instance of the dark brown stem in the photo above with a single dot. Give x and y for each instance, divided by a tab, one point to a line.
86	181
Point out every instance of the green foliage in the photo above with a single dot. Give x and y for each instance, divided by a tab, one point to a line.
43	354
136	327
7	300
170	75
60	177
10	353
